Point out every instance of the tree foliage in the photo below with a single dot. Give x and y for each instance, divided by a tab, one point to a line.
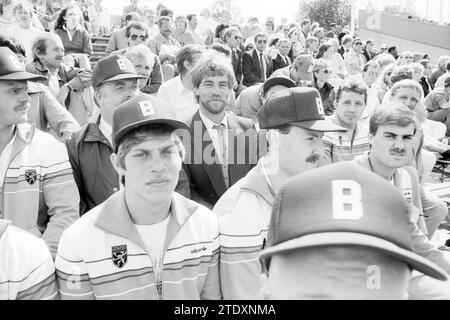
226	11
325	12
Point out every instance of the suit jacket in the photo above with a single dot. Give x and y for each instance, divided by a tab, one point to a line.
204	173
251	68
236	61
279	63
342	51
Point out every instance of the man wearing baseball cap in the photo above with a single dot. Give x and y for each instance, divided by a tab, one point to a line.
37	191
115	81
252	98
392	129
295	122
147	232
300	71
335	239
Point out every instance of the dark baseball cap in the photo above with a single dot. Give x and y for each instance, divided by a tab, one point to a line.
277	81
300	106
356	208
112	68
12	69
140	111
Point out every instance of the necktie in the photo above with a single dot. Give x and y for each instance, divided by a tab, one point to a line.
261	63
223	152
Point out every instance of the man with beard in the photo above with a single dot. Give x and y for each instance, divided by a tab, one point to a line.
295	123
164	43
223	147
115	81
391	137
351	99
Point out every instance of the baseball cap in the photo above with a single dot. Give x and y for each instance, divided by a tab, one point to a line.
112	68
282	81
12	69
347	205
305	64
300	106
140	111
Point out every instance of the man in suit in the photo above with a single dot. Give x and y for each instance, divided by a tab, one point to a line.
222	147
257	65
282	60
232	37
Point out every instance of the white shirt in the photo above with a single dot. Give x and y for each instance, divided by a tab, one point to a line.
5	156
154	237
106	129
153	31
182	100
441	80
372	104
214	134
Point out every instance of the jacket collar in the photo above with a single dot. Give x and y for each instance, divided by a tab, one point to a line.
115	218
94	134
255	182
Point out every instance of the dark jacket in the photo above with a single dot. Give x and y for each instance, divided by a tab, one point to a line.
369	55
426	86
206	179
341	50
327	94
89	154
236	61
156	78
81	41
279	63
65	74
251	67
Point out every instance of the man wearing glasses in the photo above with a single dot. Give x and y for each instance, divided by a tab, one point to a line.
136	33
354	60
232	37
256	64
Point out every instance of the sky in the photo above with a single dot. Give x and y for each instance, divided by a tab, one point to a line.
264	8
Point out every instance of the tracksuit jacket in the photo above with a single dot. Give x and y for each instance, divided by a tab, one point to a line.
39	193
27	271
102	256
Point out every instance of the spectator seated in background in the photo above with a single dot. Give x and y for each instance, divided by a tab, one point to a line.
322	75
45	111
164	43
76	40
438	104
146	63
256	64
118	39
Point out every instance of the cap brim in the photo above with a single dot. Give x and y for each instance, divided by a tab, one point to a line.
124	76
22	75
328	239
176	124
319	125
278	81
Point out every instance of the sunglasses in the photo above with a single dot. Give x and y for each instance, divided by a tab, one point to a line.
262	41
135	36
237	38
326	71
358	43
407	57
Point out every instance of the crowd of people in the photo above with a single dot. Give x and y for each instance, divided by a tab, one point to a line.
209	160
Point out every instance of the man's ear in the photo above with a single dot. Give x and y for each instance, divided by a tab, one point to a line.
371	138
116	164
264	291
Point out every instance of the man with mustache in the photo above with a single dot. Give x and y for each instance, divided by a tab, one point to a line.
146	241
351	99
37	191
295	122
391	137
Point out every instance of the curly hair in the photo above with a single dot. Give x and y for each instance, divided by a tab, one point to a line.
61	22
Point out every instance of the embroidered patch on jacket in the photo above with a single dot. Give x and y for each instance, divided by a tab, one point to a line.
30	176
119	255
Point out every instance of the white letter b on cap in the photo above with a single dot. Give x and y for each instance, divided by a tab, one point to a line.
121	64
347	203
